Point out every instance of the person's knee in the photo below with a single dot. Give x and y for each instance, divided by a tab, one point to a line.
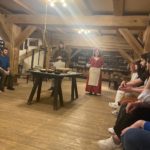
129	135
131	138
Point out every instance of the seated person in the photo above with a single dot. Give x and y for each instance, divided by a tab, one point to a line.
137	90
136	136
5	71
131	86
129	114
58	64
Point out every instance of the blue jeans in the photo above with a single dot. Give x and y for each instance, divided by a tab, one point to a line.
136	139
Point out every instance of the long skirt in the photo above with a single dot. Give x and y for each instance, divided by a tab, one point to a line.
93	86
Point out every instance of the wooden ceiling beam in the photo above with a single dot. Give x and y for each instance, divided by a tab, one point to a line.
4	11
88	44
86	21
3	35
85	47
103	40
125	55
24	34
5	28
94	41
83	7
27	8
146	39
96	44
131	40
112	42
118	6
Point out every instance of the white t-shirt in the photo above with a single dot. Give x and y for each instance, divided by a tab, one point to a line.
145	96
134	76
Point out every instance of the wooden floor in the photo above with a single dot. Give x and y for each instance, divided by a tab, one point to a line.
76	126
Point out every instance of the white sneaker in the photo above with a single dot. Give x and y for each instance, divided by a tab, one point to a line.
108	144
113	105
111	130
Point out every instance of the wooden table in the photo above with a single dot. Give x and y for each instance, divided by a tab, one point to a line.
38	78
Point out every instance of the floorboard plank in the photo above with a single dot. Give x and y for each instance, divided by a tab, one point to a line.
76	126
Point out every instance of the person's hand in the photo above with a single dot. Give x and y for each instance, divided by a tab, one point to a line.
122	85
125	130
131	107
137	124
127	89
88	65
7	72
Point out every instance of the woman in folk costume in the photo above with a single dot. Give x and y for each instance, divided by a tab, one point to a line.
93	85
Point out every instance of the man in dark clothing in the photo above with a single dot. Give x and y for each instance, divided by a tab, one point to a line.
5	71
61	52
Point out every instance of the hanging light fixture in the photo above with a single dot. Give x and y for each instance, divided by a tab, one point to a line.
84	31
53	2
64	4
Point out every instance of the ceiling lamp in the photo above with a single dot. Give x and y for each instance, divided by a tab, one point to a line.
84	31
53	2
64	4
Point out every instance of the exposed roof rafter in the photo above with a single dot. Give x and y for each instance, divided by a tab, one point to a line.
83	7
86	21
28	9
118	6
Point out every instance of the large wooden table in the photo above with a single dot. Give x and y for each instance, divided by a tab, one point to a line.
37	85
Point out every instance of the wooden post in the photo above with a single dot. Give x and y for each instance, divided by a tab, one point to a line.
44	60
68	50
32	60
48	55
146	39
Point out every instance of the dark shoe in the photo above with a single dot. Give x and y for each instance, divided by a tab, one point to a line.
10	88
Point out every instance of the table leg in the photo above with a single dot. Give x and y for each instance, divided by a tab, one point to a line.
55	101
72	89
75	88
39	90
60	92
35	85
